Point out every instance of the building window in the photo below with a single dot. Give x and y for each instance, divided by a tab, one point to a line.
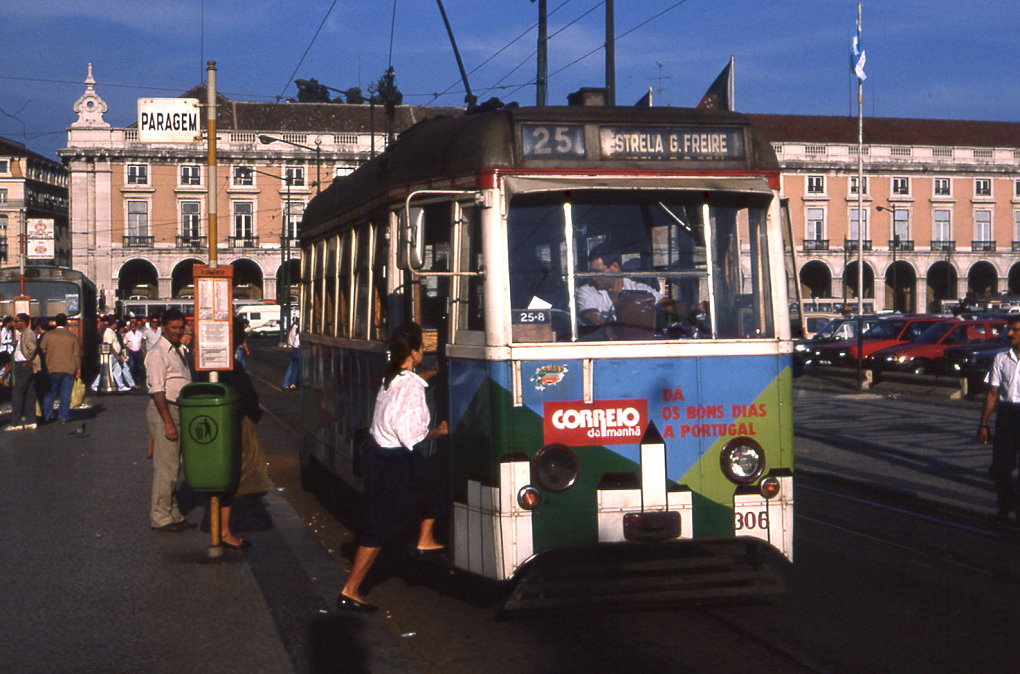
190	215
982	225
341	171
901	224
816	184
138	174
982	187
901	186
191	174
854	223
1016	188
815	224
941	225
1016	225
244	176
294	215
853	185
942	187
295	175
138	218
3	196
5	166
244	225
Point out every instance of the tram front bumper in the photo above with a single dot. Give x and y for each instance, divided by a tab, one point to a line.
638	574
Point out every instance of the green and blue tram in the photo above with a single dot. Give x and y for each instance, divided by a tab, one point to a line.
645	455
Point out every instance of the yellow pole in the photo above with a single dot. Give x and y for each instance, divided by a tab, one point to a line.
215	547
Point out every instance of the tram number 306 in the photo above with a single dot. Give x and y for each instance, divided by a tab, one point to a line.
751	521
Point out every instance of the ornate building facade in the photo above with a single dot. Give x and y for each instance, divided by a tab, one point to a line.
33	208
940	215
139	211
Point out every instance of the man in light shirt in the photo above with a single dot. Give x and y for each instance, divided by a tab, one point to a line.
1003	398
134	342
167	372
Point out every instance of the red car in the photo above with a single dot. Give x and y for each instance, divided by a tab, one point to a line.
892	331
924	354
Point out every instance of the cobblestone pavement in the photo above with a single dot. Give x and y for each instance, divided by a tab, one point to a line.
87	586
919	449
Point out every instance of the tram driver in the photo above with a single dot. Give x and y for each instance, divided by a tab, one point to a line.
616	307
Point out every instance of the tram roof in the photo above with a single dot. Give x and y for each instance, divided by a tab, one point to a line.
460	146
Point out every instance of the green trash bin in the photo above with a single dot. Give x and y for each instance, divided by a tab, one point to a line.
210	436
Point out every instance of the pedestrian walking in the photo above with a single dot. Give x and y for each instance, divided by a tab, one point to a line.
1003	398
291	378
167	372
395	491
62	360
23	375
134	344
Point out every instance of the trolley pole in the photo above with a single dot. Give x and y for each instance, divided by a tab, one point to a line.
543	54
610	54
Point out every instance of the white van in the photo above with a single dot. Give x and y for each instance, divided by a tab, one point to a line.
261	317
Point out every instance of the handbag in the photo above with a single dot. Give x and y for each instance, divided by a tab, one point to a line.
78	393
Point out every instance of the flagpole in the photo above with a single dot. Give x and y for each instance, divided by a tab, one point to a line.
860	220
732	87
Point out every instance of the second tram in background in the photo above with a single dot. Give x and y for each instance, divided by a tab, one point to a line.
52	291
642	451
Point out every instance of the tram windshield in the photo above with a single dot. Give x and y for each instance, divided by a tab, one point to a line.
48	298
637	265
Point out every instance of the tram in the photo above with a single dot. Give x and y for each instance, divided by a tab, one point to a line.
55	290
603	293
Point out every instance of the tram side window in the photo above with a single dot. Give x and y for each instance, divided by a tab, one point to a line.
646	265
329	287
379	289
362	282
318	287
469	297
306	287
345	280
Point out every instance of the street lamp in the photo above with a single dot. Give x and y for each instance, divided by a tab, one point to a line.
266	140
284	249
895	244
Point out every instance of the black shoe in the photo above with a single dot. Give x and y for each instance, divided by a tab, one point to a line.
240	546
172	528
428	552
185	524
345	603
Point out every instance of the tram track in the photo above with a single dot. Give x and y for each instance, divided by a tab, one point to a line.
772	646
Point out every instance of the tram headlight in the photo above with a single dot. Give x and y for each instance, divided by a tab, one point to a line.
742	460
556	467
528	497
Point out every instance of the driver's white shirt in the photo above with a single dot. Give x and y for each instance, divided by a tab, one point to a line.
589	297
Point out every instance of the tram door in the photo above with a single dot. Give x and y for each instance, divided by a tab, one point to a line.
446	300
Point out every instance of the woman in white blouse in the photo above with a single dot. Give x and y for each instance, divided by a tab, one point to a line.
394	489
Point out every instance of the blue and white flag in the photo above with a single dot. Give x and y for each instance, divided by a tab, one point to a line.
857	56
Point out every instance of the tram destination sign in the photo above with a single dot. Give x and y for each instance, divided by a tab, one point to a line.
686	142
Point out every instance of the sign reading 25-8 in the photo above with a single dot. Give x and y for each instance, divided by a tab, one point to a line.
552	141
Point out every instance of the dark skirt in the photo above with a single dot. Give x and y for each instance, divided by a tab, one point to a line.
395	492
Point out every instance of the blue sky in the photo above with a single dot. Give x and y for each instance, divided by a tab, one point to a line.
953	59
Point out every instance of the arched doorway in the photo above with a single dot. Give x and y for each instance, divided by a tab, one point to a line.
815	280
942	283
182	281
247	280
982	280
138	280
1014	279
850	280
289	275
901	287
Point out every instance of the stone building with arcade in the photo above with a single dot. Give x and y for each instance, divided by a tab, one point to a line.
940	215
138	214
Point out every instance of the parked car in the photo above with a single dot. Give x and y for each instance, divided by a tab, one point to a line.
842	330
268	327
887	331
974	360
925	355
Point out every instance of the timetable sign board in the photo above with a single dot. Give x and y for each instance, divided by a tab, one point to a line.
699	143
169	120
214	317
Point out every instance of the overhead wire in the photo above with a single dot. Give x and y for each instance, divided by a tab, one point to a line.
308	48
